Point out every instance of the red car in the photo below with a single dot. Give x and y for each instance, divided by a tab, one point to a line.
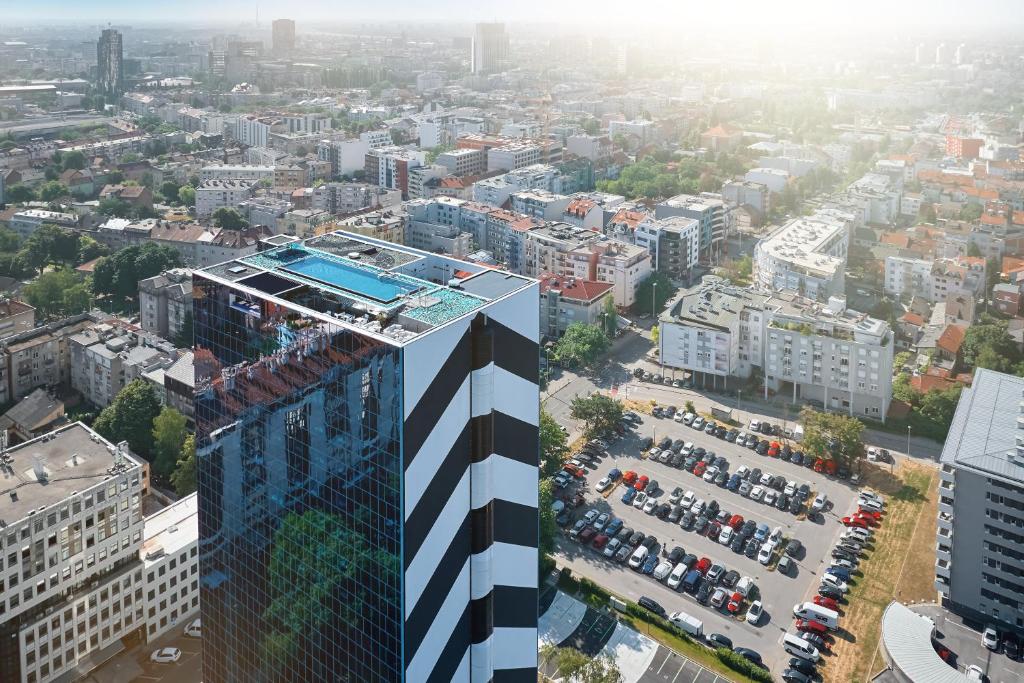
831	467
703	565
641	483
587	535
855	521
574	471
735	602
699	469
819	465
873	514
736	522
829	603
870	521
811	626
629	477
600	541
773	449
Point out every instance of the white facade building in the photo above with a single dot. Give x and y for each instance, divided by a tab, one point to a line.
214	194
775	179
236	172
513	156
170	555
622	265
673	243
807	255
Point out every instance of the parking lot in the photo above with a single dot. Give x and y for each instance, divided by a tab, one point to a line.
778	592
965	643
134	666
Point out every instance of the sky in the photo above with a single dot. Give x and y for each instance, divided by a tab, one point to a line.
684	14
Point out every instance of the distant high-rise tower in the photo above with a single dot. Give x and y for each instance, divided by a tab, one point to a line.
490	48
284	36
940	54
960	56
109	64
919	53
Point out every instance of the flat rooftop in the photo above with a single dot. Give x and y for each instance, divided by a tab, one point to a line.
74	458
360	280
804	243
171	529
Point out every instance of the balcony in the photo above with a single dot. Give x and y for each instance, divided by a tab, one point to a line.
943	552
942	586
945	522
942	569
946	487
946	505
947	474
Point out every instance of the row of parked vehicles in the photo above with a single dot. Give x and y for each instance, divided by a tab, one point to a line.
816	621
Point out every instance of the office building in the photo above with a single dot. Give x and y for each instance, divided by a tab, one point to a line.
490	48
673	243
979	563
283	37
70	533
710	215
367	429
110	64
806	255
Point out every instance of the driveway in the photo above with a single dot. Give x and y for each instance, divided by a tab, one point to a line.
965	642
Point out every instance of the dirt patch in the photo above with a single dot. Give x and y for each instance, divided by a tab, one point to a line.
898	566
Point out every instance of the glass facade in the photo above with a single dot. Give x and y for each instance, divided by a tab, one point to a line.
299	427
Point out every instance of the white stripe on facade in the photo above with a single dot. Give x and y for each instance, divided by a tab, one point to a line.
434	546
514	648
424	357
483	390
503	564
441	629
502	477
516	396
435	447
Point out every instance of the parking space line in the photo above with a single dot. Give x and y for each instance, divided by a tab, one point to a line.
668	656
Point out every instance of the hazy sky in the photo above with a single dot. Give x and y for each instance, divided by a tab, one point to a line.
897	15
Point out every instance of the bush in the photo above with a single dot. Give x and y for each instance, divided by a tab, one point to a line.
547	565
743	665
589	588
635	610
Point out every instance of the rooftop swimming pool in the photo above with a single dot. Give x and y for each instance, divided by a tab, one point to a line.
364	282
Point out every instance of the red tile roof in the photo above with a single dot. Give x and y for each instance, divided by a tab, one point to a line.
573	287
912	318
952	338
895	239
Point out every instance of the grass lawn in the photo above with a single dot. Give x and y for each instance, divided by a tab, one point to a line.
898	567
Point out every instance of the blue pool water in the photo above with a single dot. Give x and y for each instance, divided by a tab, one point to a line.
352	278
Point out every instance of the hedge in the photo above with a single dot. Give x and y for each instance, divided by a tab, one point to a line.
742	665
635	610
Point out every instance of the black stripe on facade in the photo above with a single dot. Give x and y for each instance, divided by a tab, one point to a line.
440	489
481	528
482	437
483	343
514	352
436	591
514	523
453	653
481	618
515	439
431	406
528	675
515	607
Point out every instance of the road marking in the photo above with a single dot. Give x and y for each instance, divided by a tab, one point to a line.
667	657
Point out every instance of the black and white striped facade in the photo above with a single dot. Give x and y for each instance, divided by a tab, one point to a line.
471	451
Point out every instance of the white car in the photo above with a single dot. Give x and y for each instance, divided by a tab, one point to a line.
590	516
975	673
755	426
764	555
833	581
687	448
872	454
820	501
776	535
640	500
743	470
636	560
194	629
868	493
612	547
869	504
769	497
766	479
698	422
844	564
662	571
650	505
710	473
688	418
990	639
677	576
165	655
726	536
790	489
654	452
688	500
861	534
603	485
602	521
679	417
757	493
754	612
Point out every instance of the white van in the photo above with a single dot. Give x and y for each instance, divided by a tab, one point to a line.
745	586
795	645
636	560
822	615
676	577
692	625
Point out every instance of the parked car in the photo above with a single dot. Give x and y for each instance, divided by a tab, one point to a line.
990	639
194	629
651	605
754	612
718	640
165	655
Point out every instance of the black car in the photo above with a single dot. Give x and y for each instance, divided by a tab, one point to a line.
731	578
843	473
755	476
721	463
808	462
794	547
731	435
737	544
663	511
687	521
677	460
665	443
782	502
670	411
797	458
649	542
624	535
786	452
721	479
718	640
748	529
796	506
1011	648
829	592
646	443
650	605
563	518
841	554
723	517
794	676
779	484
751	548
709	457
713	507
704	592
689	560
750	655
656	411
753	443
803	666
761	448
676	514
677	445
721	431
814	639
636	539
699	453
690	463
700	524
676	554
804	491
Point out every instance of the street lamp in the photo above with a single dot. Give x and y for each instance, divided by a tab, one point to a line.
739	397
654	300
908	441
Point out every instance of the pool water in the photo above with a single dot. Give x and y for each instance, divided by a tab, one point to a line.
360	281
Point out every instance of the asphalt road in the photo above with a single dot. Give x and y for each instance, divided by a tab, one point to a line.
134	666
778	592
965	642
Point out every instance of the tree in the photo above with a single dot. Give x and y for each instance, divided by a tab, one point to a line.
655	334
553	445
939	406
832	436
169	432
971	212
115	177
187	195
973	250
645	290
119	274
609	316
169	191
548	525
113	206
186	337
570	664
926	214
580	346
130	417
19	194
73	160
57	293
53	190
52	244
89	249
993	336
228	218
183	478
690	408
600	414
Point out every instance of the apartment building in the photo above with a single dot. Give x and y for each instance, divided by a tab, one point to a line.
513	156
565	299
539	204
367	424
165	300
71	531
236	172
710	215
214	194
546	248
15	317
619	264
746	193
979	562
345	198
497	190
643	131
264	211
27	221
170	560
906	276
106	358
345	156
806	255
385	224
673	243
39	357
463	162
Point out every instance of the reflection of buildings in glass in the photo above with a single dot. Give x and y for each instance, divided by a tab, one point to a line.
356	415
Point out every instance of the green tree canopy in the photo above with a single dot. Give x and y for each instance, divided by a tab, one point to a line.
187	195
119	274
971	212
645	289
553	445
610	317
88	249
228	218
53	190
169	432
989	342
19	194
600	414
169	191
58	293
113	206
130	417
580	346
548	525
183	478
833	436
73	160
570	664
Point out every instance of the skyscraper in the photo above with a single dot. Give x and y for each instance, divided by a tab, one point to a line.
367	417
109	64
283	37
490	48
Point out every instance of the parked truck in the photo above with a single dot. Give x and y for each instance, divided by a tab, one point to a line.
822	615
692	625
